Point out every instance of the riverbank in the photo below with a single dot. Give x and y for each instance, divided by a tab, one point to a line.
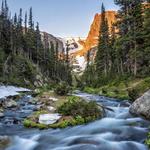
125	89
43	108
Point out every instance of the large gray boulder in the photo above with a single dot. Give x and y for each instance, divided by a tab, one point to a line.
141	106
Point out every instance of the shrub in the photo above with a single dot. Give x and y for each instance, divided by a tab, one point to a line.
80	109
147	141
62	89
80	120
133	94
104	91
116	91
27	123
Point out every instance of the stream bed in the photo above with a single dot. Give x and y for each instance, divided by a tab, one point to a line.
119	130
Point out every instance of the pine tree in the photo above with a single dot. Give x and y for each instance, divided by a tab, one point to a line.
128	45
122	44
146	33
103	46
31	26
25	23
22	53
113	58
88	59
67	54
38	44
136	34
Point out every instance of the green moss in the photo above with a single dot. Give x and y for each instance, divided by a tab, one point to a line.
91	90
28	123
75	110
62	89
147	141
76	106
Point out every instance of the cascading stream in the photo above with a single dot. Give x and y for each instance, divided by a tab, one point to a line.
119	130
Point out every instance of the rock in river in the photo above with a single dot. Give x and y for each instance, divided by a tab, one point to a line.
1	115
49	118
9	103
141	106
4	142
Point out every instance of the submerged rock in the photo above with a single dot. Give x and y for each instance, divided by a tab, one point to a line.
33	101
48	119
4	142
141	106
9	103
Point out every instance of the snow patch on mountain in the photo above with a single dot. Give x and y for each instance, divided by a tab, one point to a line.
78	62
73	43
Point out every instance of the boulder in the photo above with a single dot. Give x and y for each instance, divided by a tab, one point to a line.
36	92
141	107
4	142
1	115
38	107
51	109
1	110
9	103
48	119
53	99
33	101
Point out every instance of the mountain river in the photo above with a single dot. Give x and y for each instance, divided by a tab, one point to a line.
119	130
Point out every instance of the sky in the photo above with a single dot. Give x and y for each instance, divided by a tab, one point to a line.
63	18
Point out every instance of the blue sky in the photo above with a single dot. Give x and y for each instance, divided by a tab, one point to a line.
63	18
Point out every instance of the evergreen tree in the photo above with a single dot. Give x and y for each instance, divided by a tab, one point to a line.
146	33
103	46
67	54
22	53
128	45
31	26
25	23
38	44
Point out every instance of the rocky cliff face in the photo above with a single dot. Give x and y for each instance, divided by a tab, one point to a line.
48	38
92	38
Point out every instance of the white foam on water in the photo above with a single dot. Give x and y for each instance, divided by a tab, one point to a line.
6	91
24	144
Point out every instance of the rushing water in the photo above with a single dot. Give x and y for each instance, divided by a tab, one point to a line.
117	131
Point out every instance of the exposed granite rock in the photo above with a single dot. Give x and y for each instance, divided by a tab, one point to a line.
141	106
92	38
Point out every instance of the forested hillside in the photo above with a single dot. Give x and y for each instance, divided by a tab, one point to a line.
123	52
24	58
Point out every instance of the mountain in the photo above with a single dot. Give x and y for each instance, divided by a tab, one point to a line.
73	43
78	55
92	39
48	38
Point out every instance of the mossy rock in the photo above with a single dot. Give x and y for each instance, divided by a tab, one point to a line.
75	111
